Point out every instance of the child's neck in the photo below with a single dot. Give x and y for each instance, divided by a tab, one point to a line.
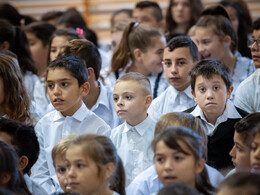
138	67
137	120
212	119
230	61
103	190
91	99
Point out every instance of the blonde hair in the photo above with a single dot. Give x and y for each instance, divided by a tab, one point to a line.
61	147
142	80
182	119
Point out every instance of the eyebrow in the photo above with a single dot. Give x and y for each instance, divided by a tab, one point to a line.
59	80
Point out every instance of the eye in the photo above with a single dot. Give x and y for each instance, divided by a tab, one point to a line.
181	63
128	97
115	99
253	147
216	88
205	42
50	86
53	50
159	159
167	63
64	84
202	89
61	170
178	158
80	165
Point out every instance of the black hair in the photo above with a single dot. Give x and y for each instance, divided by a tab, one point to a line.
184	41
242	28
157	12
85	50
75	66
256	24
177	189
217	10
17	39
42	30
24	140
208	69
51	15
9	165
10	13
71	18
244	182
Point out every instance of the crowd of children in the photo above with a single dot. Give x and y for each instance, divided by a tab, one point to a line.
164	114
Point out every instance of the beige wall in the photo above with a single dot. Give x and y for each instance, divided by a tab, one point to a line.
97	12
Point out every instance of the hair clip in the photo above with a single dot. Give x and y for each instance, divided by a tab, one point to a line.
80	32
136	24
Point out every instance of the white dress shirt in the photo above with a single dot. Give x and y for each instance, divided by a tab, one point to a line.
50	129
134	146
33	187
248	93
171	100
230	112
148	182
29	81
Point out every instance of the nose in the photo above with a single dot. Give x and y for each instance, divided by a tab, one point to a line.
209	94
70	172
232	152
56	90
174	69
120	102
254	47
168	165
256	154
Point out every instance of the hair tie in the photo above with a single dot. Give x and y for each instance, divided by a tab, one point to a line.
80	32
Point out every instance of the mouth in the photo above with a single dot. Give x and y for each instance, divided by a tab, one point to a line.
72	185
210	104
254	57
174	79
170	179
58	100
256	166
206	56
121	111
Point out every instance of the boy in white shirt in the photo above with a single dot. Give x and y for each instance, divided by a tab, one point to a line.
179	57
132	96
67	82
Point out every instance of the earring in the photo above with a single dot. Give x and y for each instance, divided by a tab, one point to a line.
225	46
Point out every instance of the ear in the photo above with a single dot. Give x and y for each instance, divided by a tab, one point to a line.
5	178
5	45
23	162
84	89
227	40
91	74
148	100
137	54
199	166
109	170
194	95
229	92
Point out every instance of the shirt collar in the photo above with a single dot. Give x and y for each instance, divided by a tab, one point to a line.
175	92
79	115
102	98
141	127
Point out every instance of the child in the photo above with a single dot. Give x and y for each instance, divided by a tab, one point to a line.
11	178
24	141
94	157
150	13
132	96
255	150
14	39
248	92
240	184
99	99
140	50
216	39
120	14
67	81
38	35
211	88
178	156
148	182
177	189
181	15
58	158
57	41
179	57
14	99
243	138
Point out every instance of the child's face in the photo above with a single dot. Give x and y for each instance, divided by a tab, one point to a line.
255	153
145	16
57	44
152	58
177	65
211	95
240	153
39	52
60	169
209	44
82	172
181	11
255	50
64	91
131	103
2	96
173	166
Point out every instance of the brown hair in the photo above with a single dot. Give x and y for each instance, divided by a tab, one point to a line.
102	151
61	147
135	36
221	27
142	80
196	9
16	99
